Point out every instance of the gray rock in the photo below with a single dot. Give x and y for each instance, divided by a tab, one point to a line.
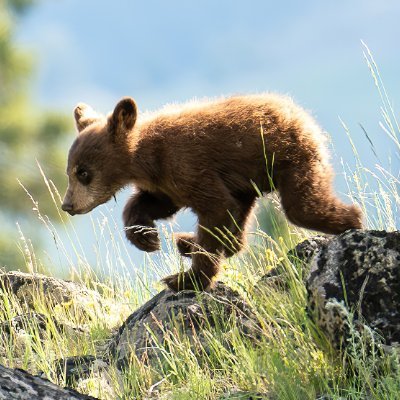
36	321
307	249
357	275
88	373
185	312
28	288
76	368
17	384
300	255
24	322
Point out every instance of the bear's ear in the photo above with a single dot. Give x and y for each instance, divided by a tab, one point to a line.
123	118
84	116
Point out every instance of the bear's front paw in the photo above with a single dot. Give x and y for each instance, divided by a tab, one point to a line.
187	281
143	237
185	243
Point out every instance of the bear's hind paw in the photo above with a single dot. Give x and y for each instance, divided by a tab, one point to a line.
187	281
185	243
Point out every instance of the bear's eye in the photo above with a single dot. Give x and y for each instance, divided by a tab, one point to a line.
83	176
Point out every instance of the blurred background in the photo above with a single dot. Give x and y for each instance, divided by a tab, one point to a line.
54	54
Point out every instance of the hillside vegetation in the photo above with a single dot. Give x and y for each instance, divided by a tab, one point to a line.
290	359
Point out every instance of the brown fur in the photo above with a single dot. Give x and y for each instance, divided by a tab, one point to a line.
208	156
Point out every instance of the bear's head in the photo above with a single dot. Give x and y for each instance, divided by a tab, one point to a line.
98	160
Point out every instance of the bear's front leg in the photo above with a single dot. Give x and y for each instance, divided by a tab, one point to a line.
233	240
140	212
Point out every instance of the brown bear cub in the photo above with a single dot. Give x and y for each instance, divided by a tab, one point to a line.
214	157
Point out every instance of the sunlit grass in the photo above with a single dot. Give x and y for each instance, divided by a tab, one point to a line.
290	359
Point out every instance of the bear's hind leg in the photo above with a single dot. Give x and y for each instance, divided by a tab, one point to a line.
217	210
140	212
308	200
234	237
206	256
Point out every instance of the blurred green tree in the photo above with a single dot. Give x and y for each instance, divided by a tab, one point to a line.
27	135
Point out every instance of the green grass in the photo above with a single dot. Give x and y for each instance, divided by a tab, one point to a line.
290	360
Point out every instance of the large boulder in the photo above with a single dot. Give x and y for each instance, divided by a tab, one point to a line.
354	282
17	384
188	313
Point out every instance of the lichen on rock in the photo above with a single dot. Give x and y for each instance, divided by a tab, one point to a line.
354	279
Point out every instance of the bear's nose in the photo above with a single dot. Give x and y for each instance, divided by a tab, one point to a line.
67	207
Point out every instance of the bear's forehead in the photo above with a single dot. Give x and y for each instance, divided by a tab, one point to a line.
78	152
73	155
87	147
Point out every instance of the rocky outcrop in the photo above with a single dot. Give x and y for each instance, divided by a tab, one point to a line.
28	288
168	313
16	384
355	282
367	262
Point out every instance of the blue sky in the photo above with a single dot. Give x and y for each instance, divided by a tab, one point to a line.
159	52
170	51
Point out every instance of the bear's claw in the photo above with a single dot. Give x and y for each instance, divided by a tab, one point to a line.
144	238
